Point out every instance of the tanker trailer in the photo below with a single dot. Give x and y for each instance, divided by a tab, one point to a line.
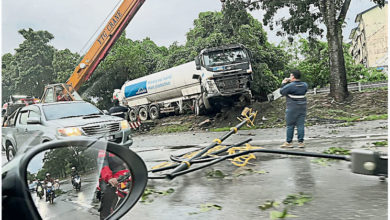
218	77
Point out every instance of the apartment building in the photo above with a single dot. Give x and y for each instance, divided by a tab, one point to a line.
369	39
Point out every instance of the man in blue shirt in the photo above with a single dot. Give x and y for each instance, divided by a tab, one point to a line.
294	90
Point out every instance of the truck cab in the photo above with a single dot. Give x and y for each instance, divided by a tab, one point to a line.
225	71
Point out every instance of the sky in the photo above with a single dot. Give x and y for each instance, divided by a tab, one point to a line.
73	22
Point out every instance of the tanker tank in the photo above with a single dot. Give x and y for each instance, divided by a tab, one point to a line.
172	83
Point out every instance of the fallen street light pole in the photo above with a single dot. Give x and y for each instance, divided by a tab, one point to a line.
185	164
364	162
200	160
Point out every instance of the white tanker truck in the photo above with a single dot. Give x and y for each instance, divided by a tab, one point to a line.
219	76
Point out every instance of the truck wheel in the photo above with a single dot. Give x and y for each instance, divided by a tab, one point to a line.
143	114
132	115
10	151
154	112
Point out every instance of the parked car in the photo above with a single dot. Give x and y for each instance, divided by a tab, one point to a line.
38	123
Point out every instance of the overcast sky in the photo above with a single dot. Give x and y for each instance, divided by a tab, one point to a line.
73	22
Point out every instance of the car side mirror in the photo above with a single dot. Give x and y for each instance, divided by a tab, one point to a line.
105	112
197	63
33	120
24	179
196	76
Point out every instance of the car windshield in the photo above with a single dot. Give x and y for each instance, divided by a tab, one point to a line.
216	58
69	110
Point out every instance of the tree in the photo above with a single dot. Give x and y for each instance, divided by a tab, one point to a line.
305	17
8	76
235	25
64	63
33	62
127	60
311	58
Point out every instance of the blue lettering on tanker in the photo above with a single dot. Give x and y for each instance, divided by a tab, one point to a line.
159	83
136	89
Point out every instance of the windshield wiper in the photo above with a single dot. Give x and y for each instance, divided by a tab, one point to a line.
92	114
71	116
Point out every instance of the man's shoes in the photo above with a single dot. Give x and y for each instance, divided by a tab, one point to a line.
286	145
301	145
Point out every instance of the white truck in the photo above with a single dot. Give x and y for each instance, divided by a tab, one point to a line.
218	77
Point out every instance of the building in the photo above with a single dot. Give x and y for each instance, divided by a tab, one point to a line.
369	38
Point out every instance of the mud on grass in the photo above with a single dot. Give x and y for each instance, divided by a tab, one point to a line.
322	109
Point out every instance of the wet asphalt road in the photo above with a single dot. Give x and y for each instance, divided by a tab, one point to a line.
335	192
72	204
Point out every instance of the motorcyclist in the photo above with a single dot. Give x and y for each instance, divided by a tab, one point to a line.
73	174
47	180
39	184
112	168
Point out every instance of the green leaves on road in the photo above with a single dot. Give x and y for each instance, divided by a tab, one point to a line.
291	200
207	207
331	150
247	171
269	204
215	174
337	150
277	214
380	144
150	194
297	199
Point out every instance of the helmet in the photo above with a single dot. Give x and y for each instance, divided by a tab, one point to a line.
73	168
47	174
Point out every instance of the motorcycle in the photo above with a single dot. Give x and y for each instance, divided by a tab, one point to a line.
40	191
123	188
124	184
50	192
77	182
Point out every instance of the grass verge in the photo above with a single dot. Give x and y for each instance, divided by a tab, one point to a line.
171	128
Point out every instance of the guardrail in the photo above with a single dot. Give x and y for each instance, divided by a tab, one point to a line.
354	86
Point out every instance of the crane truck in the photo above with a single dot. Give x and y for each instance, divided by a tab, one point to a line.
217	77
97	52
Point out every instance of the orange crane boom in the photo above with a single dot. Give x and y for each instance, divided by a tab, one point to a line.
104	42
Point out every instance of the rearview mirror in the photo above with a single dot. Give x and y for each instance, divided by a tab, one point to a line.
106	112
26	187
33	120
196	76
197	63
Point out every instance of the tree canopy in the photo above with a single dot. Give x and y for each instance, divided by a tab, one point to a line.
306	17
311	58
36	63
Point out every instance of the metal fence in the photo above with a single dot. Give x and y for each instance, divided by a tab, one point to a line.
354	86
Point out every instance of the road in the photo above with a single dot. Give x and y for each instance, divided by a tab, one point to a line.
71	204
335	192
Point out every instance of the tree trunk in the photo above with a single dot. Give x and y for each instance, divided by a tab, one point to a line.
338	76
